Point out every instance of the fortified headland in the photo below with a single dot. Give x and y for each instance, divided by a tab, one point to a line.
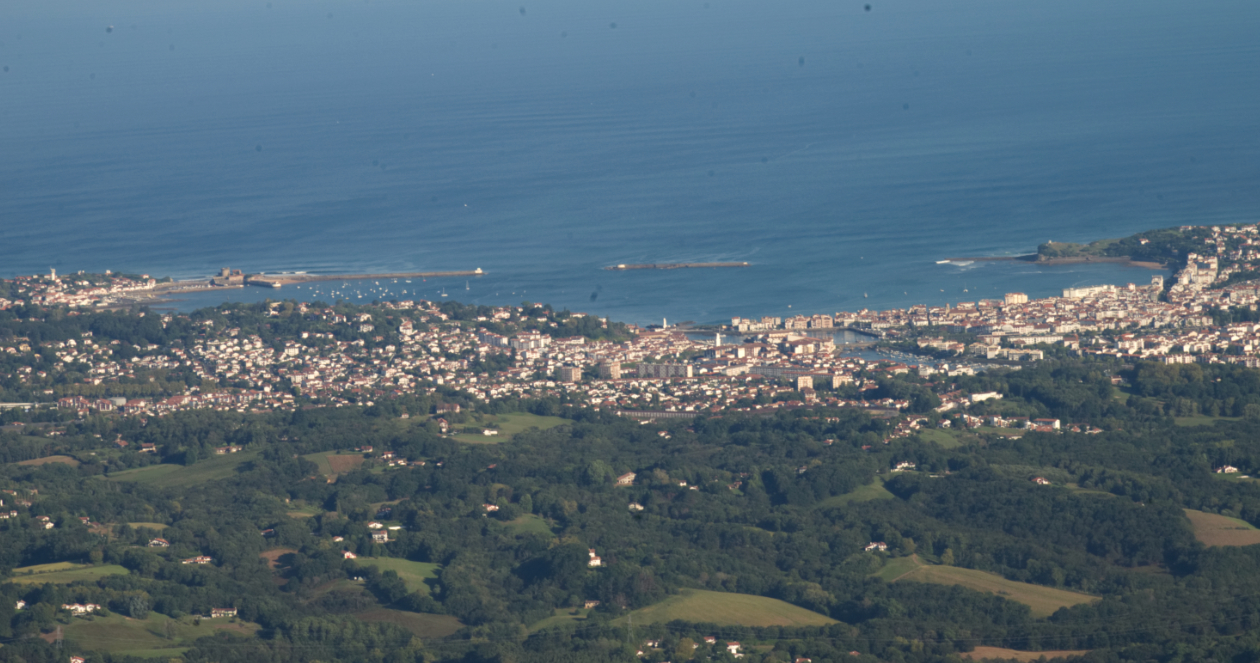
1065	260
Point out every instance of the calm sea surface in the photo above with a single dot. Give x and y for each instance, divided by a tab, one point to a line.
840	151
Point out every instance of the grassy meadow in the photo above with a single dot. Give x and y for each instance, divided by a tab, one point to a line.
1002	654
871	491
422	625
727	609
158	635
1044	601
172	476
561	617
1200	420
508	426
944	438
66	460
64	573
896	567
332	463
413	574
529	524
1216	530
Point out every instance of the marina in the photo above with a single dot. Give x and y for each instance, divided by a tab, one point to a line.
278	280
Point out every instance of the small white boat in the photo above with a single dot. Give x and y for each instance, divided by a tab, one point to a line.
942	262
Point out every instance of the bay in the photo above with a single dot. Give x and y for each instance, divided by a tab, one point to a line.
840	151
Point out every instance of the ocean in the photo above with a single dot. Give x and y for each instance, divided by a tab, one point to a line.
841	148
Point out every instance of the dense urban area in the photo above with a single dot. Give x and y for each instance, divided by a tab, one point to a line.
285	354
424	481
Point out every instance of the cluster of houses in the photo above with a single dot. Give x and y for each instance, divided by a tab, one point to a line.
1039	425
76	290
732	648
42	521
1175	328
419	356
80	608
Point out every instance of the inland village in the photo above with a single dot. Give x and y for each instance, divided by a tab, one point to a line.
417	481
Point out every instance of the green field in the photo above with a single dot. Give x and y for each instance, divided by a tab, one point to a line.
561	617
66	460
171	476
422	625
896	567
1216	530
332	463
158	635
871	491
529	524
726	609
1044	601
1201	420
413	574
301	509
947	439
508	425
156	526
1001	654
49	568
63	573
320	458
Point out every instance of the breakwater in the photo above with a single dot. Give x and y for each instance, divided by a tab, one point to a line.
676	265
277	280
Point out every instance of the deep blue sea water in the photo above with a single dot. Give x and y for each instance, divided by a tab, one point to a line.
840	151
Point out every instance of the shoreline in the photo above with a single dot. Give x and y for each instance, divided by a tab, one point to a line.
171	293
1071	260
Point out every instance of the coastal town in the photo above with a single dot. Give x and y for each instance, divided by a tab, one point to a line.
345	354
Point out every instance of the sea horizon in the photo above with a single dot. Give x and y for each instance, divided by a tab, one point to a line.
841	151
